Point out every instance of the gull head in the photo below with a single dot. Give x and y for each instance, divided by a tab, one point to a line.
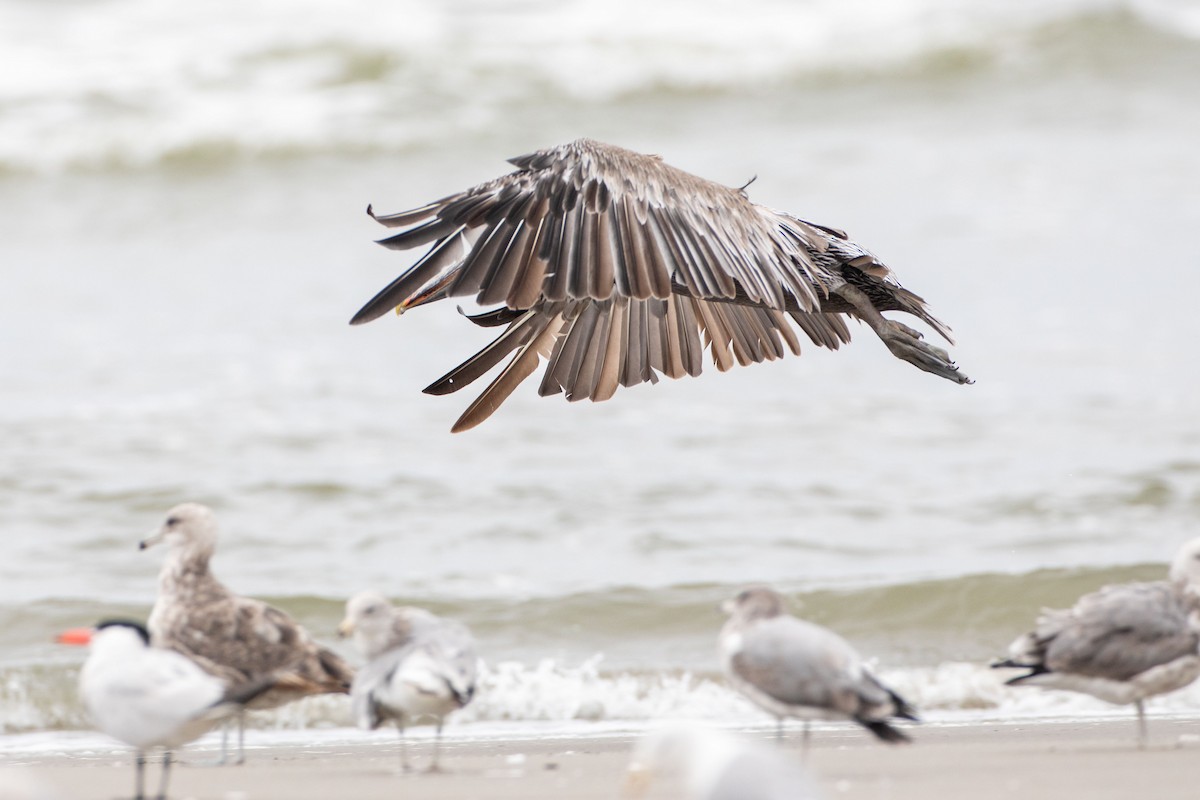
188	526
1185	568
368	620
755	602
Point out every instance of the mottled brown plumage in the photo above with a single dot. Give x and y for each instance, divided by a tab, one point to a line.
617	268
239	639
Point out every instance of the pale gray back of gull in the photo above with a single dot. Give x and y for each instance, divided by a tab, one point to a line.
1122	643
241	640
619	268
694	762
418	665
790	667
148	697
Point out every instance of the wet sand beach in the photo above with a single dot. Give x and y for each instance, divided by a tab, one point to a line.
1094	759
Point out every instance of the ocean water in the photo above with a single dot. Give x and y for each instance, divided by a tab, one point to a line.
183	242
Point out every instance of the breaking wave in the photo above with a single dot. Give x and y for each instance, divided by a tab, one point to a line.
212	83
585	698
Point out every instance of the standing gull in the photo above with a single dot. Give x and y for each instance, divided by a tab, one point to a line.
617	268
700	763
240	640
792	668
148	697
1122	643
418	665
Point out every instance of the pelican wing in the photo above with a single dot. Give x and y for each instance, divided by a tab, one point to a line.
615	268
592	221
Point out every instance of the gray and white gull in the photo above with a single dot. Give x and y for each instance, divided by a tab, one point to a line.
790	667
238	639
418	666
617	268
1123	643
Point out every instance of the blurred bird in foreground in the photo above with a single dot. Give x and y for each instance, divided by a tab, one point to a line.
617	268
418	665
692	762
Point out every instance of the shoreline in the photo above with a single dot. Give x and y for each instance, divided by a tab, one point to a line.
1094	759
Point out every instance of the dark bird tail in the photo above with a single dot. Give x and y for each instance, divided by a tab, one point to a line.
903	709
338	674
1008	663
234	701
884	731
243	693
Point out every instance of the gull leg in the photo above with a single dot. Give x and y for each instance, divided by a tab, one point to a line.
241	723
139	771
804	741
437	748
223	759
1141	712
162	781
403	746
904	342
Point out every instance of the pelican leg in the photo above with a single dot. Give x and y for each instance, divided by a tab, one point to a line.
904	342
139	771
162	781
1141	716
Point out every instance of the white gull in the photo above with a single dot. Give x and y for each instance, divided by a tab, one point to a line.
418	665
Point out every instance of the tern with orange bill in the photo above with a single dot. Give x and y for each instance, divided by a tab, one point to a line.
148	697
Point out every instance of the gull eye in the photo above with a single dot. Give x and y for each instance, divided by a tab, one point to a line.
172	521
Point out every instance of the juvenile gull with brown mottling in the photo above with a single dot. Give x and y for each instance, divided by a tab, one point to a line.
239	639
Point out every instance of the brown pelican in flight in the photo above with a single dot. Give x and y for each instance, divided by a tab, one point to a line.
616	267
